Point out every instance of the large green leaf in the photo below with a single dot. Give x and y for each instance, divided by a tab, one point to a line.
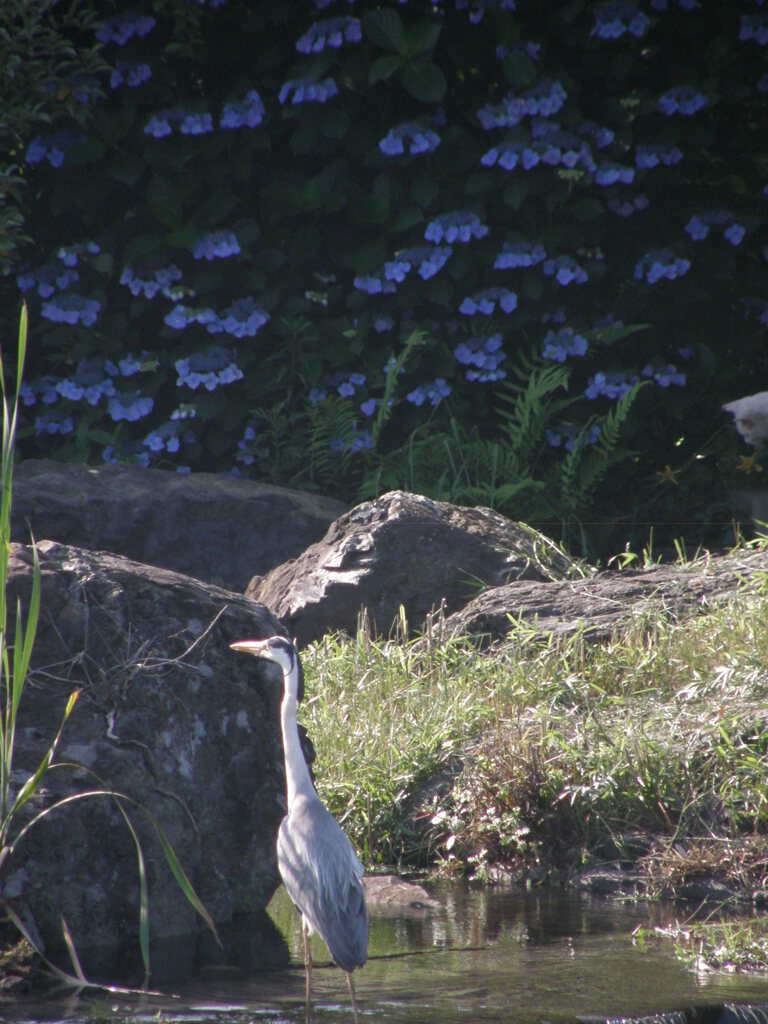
421	38
384	28
425	81
384	67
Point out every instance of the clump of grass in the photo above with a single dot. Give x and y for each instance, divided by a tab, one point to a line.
717	946
550	755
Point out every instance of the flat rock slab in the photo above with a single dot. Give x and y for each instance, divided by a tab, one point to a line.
402	550
608	600
214	527
167	715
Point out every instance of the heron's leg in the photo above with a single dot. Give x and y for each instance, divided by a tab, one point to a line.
307	971
351	986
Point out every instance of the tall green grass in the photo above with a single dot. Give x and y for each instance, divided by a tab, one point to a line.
549	755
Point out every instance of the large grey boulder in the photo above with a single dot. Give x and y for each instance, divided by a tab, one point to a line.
602	603
402	549
214	527
168	715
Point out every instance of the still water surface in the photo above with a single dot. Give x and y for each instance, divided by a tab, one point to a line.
488	954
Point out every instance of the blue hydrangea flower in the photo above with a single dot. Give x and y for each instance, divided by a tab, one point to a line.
560	344
52	148
122	27
477	8
165	438
571	435
159	280
43	388
734	233
189	122
433	392
331	32
53	423
700	223
682	99
647	157
519	254
243	319
485	302
485	354
208	370
601	136
428	260
626	207
88	383
754	26
130	74
47	279
193	123
382	324
182	316
684	5
661	264
245	113
460	226
544	99
307	90
72	309
565	270
611	385
664	375
528	47
614	18
216	245
409	134
611	173
129	406
346	384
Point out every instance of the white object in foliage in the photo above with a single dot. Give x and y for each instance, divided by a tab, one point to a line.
751	417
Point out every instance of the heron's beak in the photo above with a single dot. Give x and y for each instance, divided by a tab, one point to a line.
257	647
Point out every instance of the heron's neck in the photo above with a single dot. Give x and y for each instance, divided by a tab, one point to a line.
297	779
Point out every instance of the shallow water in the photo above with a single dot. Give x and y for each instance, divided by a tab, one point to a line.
488	954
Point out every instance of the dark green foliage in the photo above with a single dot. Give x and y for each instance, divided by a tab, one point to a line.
315	202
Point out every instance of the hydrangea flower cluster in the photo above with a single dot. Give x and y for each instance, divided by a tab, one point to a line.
382	324
428	259
123	27
560	344
544	100
307	90
611	173
647	157
345	384
754	26
461	226
683	99
565	270
611	384
484	353
245	113
433	392
182	316
664	375
165	438
208	370
43	388
661	264
53	423
52	148
47	279
555	148
571	436
700	223
331	32
519	254
90	382
684	5
626	207
375	284
477	8
245	449
129	406
616	17
132	75
161	279
601	136
243	319
216	245
409	134
355	441
71	309
485	302
190	122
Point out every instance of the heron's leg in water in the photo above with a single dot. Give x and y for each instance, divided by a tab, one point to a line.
307	970
351	986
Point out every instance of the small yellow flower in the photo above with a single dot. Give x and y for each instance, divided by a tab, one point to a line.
747	464
668	475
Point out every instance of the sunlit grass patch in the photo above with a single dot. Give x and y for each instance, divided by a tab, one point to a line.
548	755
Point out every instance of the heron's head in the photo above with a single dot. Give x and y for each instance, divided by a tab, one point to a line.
283	653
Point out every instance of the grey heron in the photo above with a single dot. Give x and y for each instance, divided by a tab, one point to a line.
317	863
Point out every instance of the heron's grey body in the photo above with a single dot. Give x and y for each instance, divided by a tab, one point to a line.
317	863
326	889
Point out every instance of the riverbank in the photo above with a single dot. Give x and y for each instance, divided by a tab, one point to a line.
547	759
